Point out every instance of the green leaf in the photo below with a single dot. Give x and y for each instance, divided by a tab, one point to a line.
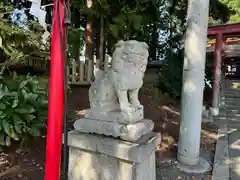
136	20
5	88
114	30
14	75
2	115
41	92
11	94
42	115
13	134
2	94
6	126
32	97
35	132
23	84
28	109
40	125
29	117
17	128
16	118
24	93
2	106
15	103
21	111
44	103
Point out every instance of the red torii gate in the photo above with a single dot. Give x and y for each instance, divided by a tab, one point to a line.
224	29
220	33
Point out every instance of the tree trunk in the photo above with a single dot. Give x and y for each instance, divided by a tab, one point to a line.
102	42
97	26
154	42
89	40
77	23
89	32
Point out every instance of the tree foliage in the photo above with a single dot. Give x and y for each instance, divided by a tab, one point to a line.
160	23
17	43
234	7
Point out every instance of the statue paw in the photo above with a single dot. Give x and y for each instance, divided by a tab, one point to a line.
137	105
127	109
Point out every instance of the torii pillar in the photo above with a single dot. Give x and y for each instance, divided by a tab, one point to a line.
192	88
217	75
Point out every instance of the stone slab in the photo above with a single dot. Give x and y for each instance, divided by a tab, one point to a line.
129	132
87	165
115	115
221	167
96	157
232	111
134	152
234	153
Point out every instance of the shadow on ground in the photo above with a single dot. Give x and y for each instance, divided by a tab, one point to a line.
234	154
30	162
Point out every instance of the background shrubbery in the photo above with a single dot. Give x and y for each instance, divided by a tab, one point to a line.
23	108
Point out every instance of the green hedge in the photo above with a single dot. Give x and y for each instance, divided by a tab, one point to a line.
23	108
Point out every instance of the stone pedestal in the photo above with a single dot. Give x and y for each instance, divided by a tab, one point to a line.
114	141
129	132
96	157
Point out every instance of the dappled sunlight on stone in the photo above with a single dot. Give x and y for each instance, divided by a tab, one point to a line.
235	165
236	145
81	112
164	125
189	87
231	130
166	143
170	110
209	134
235	85
208	140
237	169
174	122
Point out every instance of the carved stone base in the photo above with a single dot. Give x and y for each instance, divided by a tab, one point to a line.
96	157
129	132
115	115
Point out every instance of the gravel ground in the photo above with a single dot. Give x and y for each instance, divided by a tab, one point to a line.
167	167
29	164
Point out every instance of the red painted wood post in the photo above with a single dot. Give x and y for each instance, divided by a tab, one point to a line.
217	73
224	29
56	98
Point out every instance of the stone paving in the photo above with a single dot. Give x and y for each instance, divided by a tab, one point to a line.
227	156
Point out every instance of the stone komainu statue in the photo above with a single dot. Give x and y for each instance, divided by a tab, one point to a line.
117	89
